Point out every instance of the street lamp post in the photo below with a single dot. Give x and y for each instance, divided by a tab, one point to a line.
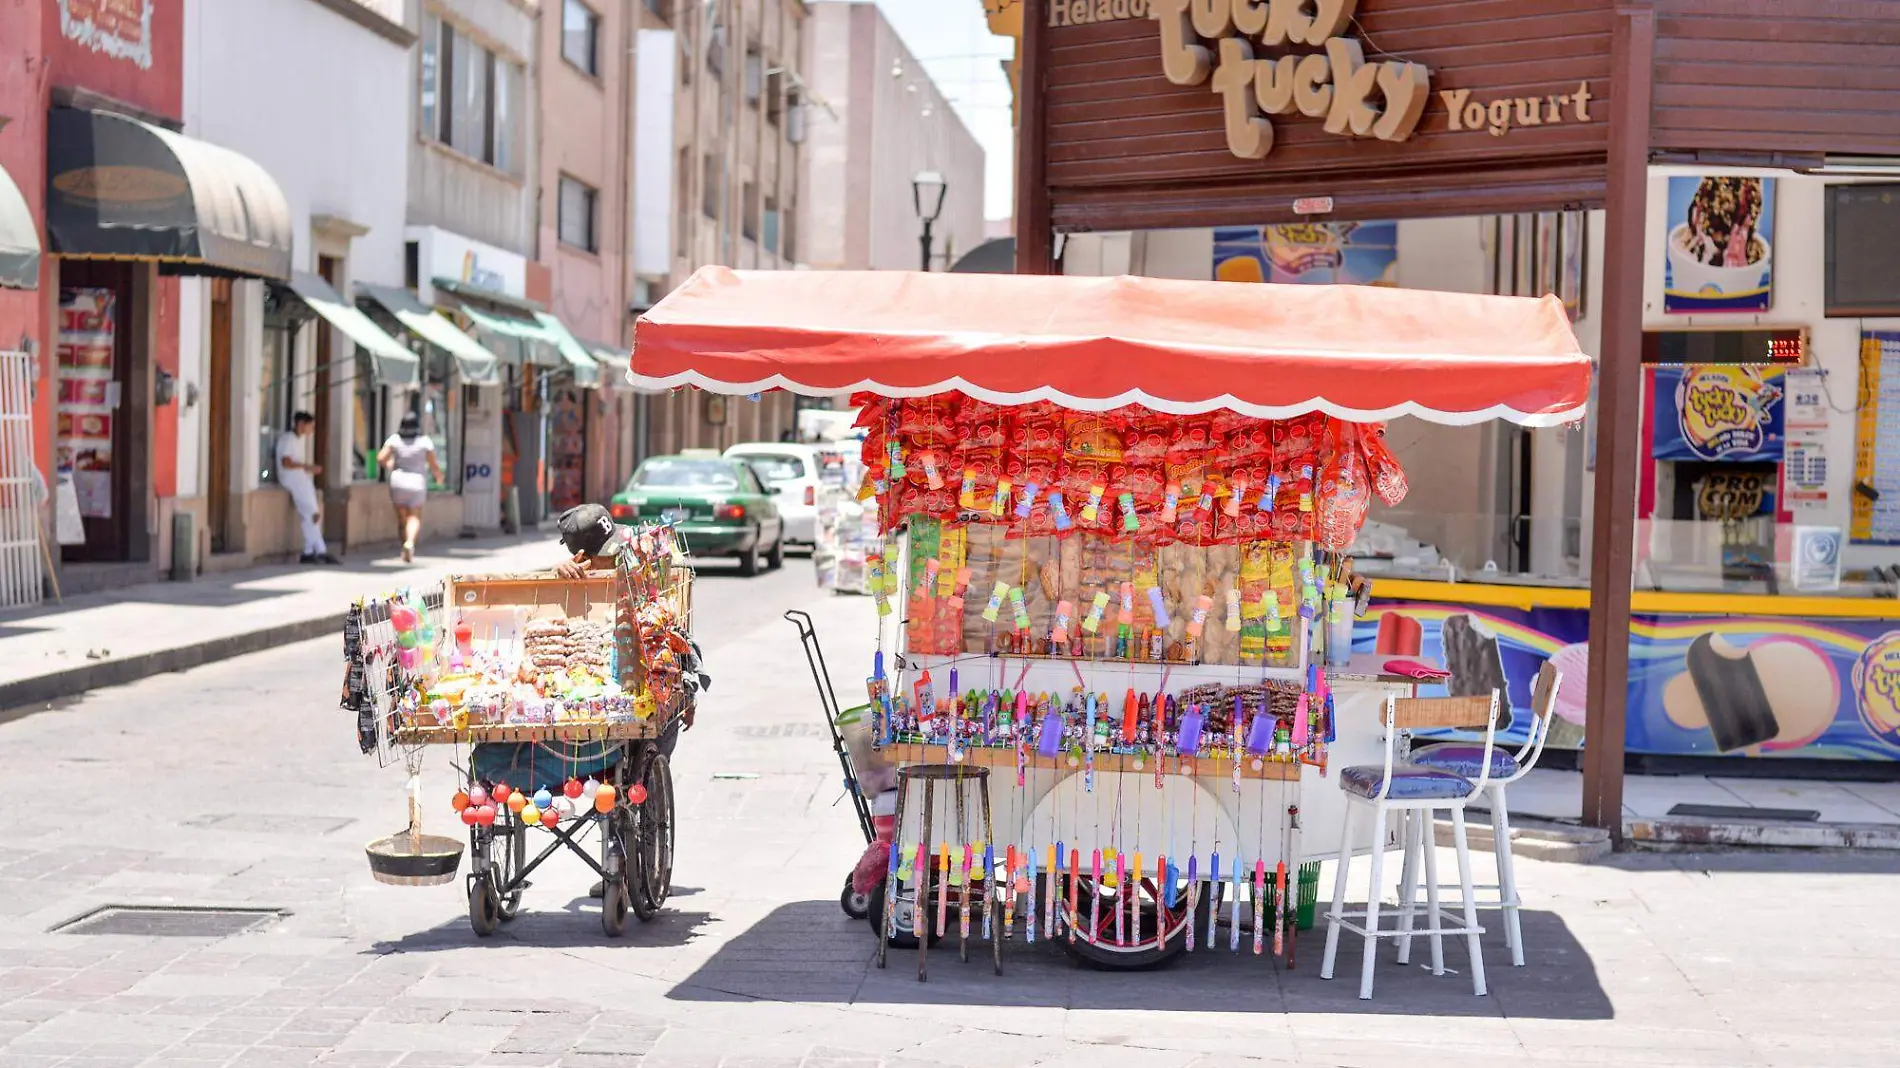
926	195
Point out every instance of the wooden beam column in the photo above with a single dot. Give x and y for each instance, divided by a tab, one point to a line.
1035	236
1619	410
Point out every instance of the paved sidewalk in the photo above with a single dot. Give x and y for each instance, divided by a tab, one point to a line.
119	636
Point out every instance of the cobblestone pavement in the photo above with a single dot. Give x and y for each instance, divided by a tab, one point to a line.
239	784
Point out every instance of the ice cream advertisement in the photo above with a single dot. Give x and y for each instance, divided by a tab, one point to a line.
1703	686
1308	253
1718	412
1719	250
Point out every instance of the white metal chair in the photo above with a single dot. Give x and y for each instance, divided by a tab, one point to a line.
1412	789
1464	758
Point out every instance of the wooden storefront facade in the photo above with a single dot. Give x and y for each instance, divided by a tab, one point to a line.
1527	106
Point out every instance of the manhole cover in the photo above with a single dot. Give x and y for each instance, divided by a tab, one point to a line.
177	921
778	730
270	823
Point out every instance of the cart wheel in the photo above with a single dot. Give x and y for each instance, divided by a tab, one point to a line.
1100	951
613	908
514	857
650	851
855	905
483	909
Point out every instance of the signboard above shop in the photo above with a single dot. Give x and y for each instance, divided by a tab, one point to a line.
446	254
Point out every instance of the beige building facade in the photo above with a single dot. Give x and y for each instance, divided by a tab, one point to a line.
884	122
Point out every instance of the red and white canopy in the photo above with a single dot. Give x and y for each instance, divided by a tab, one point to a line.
1271	351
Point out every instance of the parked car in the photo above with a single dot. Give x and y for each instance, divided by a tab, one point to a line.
718	505
801	473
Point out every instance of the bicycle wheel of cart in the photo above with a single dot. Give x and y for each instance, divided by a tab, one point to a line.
651	850
1096	945
512	856
484	913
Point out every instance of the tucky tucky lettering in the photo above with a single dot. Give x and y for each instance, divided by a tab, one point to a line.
1354	98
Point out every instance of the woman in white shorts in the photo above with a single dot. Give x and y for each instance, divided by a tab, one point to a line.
409	457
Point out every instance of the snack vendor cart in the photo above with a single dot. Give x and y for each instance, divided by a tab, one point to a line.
1114	608
563	696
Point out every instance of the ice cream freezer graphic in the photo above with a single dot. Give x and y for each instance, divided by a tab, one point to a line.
1698	685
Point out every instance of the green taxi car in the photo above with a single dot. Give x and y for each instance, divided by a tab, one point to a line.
718	505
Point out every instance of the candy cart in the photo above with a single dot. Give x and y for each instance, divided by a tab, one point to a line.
563	698
1115	611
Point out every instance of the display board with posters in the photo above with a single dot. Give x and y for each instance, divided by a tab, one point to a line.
1876	518
88	396
1722	412
1719	252
1698	685
1309	253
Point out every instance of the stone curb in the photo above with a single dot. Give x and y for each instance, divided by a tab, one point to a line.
17	697
1683	832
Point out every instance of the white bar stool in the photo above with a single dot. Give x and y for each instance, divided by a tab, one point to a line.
1411	789
1465	758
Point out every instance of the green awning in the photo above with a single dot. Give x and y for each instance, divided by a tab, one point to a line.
479	367
19	238
527	338
393	364
614	366
586	371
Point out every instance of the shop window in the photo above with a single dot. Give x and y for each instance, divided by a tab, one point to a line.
682	204
774	96
278	399
470	97
769	235
658	8
439	406
580	36
709	185
576	214
368	417
788	237
749	211
428	61
754	75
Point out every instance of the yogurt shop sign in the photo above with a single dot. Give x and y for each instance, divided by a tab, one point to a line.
1215	41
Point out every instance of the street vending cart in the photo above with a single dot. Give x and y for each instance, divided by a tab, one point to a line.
563	697
1114	658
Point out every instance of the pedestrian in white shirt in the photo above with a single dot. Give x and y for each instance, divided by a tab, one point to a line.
298	475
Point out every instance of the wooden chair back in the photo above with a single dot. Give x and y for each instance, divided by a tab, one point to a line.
1420	713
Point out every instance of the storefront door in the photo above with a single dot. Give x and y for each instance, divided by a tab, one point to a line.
568	448
218	408
94	365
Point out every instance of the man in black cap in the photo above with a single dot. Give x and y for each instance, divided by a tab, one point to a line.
591	538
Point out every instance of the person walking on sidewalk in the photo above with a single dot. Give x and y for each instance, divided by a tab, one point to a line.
298	475
409	456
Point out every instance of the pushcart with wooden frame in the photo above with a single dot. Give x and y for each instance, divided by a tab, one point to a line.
635	839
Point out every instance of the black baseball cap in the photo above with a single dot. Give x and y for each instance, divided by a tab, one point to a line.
586	528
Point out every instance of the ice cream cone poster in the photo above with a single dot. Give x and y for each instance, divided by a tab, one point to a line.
1719	247
1309	253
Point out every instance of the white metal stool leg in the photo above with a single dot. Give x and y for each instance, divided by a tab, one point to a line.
1371	957
1507	874
1339	894
1428	840
1408	881
1472	930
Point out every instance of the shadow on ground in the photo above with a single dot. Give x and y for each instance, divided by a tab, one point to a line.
574	924
809	952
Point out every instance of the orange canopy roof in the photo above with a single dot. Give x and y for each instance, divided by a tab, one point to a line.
1271	351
